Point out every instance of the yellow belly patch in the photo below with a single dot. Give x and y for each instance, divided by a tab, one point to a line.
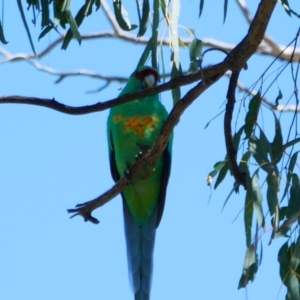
138	124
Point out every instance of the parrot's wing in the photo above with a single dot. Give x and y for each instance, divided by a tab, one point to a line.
164	183
112	161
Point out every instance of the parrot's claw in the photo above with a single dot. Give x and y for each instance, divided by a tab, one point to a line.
143	148
139	155
126	175
80	211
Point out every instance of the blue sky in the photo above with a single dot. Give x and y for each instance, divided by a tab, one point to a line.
51	161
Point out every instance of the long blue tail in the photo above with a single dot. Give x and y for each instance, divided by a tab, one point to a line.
140	242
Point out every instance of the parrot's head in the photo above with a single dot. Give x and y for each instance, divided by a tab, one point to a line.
147	77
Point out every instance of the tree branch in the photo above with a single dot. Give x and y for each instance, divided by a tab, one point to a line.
71	110
231	151
235	61
150	157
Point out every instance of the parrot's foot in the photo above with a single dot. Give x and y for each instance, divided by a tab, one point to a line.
143	148
139	156
149	168
83	210
126	176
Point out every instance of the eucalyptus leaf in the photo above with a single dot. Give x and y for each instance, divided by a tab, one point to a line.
2	38
195	49
222	174
286	6
248	217
279	97
122	16
144	19
272	191
250	267
176	72
259	153
201	5
290	170
225	10
74	28
277	144
252	114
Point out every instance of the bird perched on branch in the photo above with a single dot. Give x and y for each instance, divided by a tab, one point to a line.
132	128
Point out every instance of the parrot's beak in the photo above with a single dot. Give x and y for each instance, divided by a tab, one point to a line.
149	81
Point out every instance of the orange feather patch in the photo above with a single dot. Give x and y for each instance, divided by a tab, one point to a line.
137	124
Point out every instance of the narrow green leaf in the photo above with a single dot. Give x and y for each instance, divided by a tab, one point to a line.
98	4
164	9
259	153
283	259
189	31
88	8
176	93
251	117
296	252
222	174
217	167
174	16
277	144
279	97
275	222
257	199
144	19
282	213
293	209
2	38
195	49
201	7
293	287
227	198
248	217
60	8
122	16
225	10
194	66
286	6
45	13
264	143
25	25
288	264
250	267
290	172
146	53
84	11
256	188
181	43
155	25
74	28
45	31
272	191
259	213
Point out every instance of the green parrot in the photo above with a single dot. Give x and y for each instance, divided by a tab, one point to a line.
132	128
